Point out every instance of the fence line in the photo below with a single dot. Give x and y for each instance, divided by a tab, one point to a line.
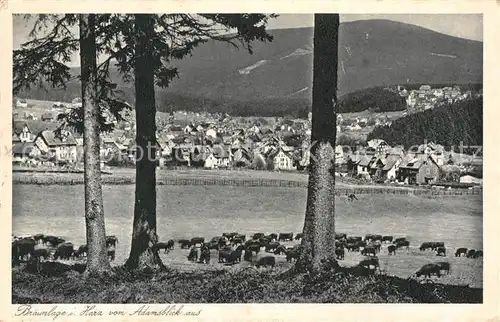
251	183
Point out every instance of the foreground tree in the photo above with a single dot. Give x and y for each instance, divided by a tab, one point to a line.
142	46
144	235
148	49
97	259
43	61
318	243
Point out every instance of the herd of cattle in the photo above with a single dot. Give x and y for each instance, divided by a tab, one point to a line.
231	247
53	247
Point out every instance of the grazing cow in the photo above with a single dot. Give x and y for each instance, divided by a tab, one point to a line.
438	244
64	251
387	239
471	253
272	236
285	237
241	237
354	247
461	251
444	266
351	197
224	255
23	248
111	241
222	242
111	254
339	253
41	252
377	245
264	241
159	246
369	237
236	241
281	249
340	244
266	261
428	270
353	239
258	236
235	255
197	240
391	249
52	240
254	248
292	254
193	254
441	251
299	236
205	255
184	243
272	246
38	238
426	246
478	254
248	255
369	262
403	243
399	239
368	251
340	236
81	251
171	244
229	236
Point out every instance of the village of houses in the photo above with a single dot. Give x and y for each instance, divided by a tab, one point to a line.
194	140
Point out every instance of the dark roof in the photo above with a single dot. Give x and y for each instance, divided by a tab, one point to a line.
34	126
22	148
52	139
365	161
417	161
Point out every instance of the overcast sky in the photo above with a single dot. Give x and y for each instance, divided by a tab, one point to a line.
469	26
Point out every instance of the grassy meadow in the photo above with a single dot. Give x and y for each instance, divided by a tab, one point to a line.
190	211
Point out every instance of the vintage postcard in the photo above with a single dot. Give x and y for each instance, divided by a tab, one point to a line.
169	157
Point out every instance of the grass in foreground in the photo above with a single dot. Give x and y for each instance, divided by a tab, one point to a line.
245	286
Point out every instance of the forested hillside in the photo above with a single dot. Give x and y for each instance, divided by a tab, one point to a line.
450	125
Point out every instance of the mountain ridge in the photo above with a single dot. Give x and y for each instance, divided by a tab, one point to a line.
372	53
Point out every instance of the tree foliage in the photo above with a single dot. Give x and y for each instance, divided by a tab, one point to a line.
42	71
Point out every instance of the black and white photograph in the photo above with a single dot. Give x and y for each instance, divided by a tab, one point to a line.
162	158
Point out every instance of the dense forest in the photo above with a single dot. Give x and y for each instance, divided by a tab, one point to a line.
376	99
449	125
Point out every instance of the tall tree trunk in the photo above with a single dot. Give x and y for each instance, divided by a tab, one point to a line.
97	260
144	234
319	226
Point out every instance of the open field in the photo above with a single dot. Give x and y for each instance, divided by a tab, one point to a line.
190	211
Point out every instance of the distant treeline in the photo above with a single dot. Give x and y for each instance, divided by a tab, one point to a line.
450	125
376	99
